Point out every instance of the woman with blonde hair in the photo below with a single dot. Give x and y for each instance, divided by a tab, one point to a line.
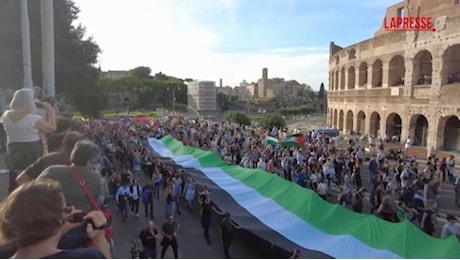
23	127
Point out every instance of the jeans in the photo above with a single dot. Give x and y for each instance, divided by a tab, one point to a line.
148	209
166	243
156	189
149	253
227	241
135	206
124	210
206	233
170	209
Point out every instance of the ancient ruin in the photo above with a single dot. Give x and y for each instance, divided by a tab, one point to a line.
403	83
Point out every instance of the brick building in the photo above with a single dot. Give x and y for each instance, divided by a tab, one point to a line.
404	83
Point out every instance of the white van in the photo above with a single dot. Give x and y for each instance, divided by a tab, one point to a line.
331	133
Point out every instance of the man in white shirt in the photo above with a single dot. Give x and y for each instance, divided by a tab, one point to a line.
407	145
321	189
450	228
261	164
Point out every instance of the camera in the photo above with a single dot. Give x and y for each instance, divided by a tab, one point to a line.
79	218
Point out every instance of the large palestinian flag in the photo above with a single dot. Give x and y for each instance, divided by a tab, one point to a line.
291	216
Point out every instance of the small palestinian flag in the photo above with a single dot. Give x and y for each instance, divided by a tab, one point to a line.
270	140
296	140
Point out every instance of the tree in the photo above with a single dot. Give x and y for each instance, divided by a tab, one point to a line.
269	121
141	72
151	93
305	91
321	92
75	56
237	117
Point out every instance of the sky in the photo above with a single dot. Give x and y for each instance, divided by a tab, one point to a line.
228	39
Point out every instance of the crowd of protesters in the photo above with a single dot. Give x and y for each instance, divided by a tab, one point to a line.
78	174
398	188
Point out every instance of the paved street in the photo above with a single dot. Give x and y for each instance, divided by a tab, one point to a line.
191	240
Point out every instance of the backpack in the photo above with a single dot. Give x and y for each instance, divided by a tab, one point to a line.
407	175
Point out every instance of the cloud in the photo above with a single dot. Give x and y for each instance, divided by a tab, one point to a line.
167	36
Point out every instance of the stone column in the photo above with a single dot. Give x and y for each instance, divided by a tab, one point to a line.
331	81
356	78
432	136
408	76
355	121
385	74
436	77
339	79
369	76
383	125
336	80
367	124
346	79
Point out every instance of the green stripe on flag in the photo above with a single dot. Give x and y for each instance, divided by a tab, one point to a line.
403	238
269	140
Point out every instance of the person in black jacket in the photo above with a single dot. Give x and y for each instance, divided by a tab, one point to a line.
206	214
226	233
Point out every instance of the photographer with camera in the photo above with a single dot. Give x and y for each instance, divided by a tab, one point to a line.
35	216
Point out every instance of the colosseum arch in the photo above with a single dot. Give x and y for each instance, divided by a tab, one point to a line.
394	125
374	124
351	78
342	78
341	119
377	73
418	130
352	54
396	71
423	68
334	118
361	124
451	65
362	78
449	133
349	122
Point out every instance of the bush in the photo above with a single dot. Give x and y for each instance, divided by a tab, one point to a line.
292	111
237	117
269	121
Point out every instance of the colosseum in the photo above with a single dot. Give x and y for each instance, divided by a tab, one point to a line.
402	83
